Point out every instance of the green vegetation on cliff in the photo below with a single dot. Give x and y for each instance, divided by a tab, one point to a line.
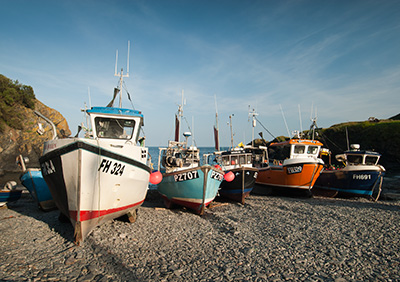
14	95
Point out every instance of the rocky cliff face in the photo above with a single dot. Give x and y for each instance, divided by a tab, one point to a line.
28	142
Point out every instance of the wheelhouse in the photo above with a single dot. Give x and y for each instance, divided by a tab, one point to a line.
294	148
115	123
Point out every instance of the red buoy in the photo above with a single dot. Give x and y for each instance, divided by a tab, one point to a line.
155	177
229	176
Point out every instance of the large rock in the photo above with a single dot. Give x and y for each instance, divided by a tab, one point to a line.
28	142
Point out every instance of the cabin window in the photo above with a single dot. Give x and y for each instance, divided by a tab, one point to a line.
353	159
114	128
279	153
371	160
226	161
299	149
249	159
242	159
234	160
313	150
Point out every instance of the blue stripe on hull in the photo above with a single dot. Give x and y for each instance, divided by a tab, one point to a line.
236	191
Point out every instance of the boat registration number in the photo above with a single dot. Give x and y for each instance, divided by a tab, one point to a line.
361	176
217	176
294	169
186	176
114	168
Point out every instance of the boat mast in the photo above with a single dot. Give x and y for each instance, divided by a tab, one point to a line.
179	118
121	74
253	115
216	127
230	124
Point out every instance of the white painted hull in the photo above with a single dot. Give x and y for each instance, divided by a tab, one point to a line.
93	181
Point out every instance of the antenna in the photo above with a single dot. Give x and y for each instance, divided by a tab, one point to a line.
284	119
253	115
301	124
121	74
90	100
314	122
127	60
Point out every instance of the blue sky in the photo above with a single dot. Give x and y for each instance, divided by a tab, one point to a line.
340	58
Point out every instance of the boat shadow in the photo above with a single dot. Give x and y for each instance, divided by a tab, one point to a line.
27	206
320	200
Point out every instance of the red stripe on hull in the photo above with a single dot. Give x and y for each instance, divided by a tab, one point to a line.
188	204
87	215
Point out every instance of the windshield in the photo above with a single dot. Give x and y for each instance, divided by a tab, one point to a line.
114	128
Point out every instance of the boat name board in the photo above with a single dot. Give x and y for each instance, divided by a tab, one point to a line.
114	168
294	169
362	176
186	176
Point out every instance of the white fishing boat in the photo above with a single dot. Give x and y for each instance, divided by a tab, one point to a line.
104	174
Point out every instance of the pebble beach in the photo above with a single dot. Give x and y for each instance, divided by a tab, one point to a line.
270	238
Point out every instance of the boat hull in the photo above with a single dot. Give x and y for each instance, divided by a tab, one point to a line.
194	188
9	196
241	186
351	180
296	176
93	181
34	182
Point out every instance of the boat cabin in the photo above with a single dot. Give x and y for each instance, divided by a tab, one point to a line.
177	157
115	123
239	157
235	158
294	148
357	157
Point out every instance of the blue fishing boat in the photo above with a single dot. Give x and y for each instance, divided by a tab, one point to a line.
361	174
32	179
10	193
185	181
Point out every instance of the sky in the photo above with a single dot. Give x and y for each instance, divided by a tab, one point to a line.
337	61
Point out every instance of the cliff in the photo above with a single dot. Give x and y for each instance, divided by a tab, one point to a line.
19	125
381	136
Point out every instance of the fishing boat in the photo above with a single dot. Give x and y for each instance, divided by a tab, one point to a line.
185	181
102	175
242	161
32	179
359	175
10	193
293	164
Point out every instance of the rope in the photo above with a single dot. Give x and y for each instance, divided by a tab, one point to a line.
265	128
